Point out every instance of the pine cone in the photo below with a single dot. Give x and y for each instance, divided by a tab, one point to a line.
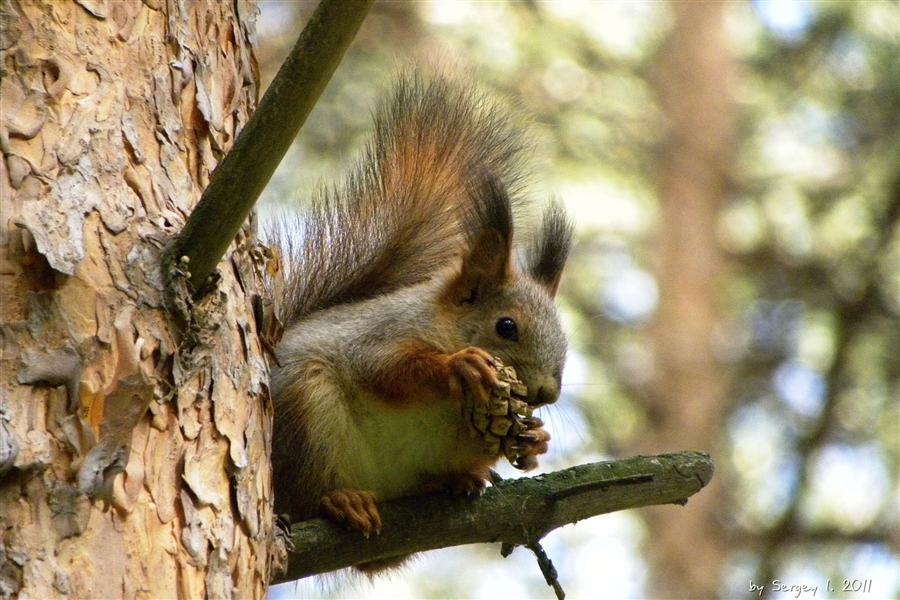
506	416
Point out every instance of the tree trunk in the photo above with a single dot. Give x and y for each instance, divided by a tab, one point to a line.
686	400
134	444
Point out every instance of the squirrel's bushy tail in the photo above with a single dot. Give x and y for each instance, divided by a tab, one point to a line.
398	218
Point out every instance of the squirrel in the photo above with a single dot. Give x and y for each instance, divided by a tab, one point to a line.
400	288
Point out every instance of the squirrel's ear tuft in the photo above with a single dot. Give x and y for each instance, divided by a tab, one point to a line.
488	229
550	248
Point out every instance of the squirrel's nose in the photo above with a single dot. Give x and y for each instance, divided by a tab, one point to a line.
547	393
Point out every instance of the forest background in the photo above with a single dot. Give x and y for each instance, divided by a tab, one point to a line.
733	172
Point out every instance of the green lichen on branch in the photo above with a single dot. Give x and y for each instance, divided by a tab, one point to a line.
515	511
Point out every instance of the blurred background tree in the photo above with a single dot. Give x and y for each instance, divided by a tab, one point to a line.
734	171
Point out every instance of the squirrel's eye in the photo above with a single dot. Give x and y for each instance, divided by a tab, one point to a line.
507	329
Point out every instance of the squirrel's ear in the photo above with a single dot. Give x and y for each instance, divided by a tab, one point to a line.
488	228
550	248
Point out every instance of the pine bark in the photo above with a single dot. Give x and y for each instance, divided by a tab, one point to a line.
134	440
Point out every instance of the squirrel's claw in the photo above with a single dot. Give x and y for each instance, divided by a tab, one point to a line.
532	441
355	508
531	423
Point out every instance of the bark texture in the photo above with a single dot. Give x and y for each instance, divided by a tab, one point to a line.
516	511
134	442
685	402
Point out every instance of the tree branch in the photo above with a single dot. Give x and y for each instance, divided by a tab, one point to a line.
240	178
515	511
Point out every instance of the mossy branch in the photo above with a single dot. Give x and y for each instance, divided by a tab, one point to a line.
515	511
240	178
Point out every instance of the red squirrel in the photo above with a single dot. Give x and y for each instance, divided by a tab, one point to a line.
400	289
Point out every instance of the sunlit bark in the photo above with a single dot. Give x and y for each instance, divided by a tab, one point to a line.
133	445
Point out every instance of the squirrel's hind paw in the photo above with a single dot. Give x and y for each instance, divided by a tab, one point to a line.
355	508
468	484
473	482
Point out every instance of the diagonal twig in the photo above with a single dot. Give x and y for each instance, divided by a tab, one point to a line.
240	178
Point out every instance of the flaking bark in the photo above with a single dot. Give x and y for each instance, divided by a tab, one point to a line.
133	445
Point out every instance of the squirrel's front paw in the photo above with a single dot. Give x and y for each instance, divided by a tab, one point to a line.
475	369
356	508
522	448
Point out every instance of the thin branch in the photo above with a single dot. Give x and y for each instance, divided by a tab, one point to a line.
240	178
515	511
548	570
